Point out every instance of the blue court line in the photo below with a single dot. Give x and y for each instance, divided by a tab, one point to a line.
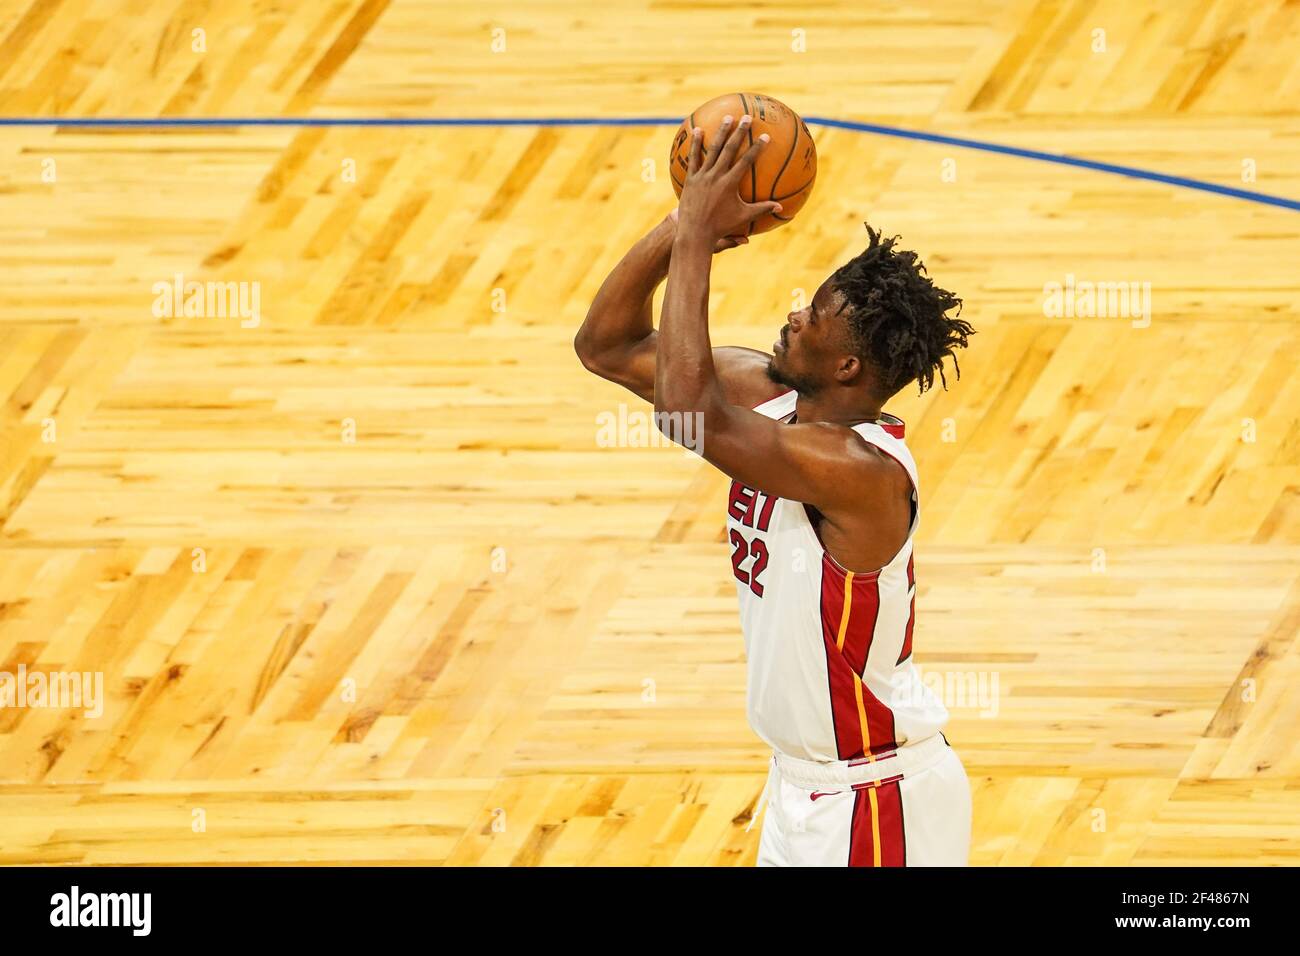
1132	172
1061	159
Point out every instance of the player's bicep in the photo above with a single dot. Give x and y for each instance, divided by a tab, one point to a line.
742	372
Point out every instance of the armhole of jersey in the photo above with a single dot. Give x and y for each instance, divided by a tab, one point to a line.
857	575
911	480
911	529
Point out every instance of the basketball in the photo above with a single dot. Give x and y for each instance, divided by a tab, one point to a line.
785	170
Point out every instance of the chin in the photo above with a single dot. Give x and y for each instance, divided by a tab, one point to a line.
782	377
779	377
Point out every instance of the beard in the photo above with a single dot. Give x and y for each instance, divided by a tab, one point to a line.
800	383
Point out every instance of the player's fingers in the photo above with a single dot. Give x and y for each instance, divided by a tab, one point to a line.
728	157
757	210
719	142
693	157
749	157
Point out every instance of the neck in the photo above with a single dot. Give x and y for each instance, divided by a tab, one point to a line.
826	406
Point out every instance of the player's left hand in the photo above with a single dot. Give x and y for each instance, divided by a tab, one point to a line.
710	204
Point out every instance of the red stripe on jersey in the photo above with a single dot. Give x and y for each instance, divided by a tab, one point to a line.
863	831
876	831
860	629
849	604
880	722
896	430
844	703
893	842
911	614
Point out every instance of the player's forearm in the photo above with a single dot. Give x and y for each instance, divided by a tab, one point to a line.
620	316
685	378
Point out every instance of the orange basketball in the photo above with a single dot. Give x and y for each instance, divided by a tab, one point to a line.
786	168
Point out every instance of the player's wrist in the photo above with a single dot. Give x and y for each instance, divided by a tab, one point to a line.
693	227
691	240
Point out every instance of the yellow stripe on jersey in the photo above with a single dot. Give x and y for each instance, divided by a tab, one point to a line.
875	828
844	615
857	682
862	719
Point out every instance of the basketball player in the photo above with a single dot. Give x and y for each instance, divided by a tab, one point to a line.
821	516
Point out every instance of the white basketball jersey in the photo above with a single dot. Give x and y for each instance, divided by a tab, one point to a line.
830	650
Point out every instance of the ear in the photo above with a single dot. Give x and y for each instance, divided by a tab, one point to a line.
849	368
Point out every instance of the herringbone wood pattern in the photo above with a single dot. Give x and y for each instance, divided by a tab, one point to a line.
364	587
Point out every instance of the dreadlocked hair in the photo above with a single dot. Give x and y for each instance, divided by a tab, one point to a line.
898	317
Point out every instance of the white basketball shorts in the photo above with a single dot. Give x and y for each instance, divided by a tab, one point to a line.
906	807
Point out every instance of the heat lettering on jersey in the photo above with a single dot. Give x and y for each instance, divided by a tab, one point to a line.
749	505
745	502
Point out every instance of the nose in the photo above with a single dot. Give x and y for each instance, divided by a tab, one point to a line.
795	321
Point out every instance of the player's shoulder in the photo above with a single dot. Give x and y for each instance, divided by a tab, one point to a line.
743	373
862	455
881	454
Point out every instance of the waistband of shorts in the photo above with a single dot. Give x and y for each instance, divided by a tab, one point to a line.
876	769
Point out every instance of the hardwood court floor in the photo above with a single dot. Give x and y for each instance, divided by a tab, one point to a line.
364	586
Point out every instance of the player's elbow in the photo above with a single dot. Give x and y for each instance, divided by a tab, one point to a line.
587	355
672	410
668	400
681	425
